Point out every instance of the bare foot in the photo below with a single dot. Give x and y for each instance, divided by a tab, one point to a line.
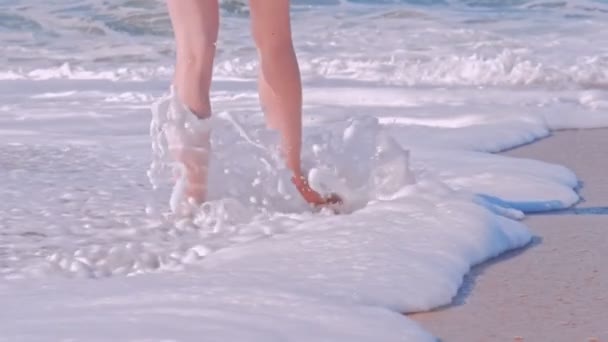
311	196
188	139
193	172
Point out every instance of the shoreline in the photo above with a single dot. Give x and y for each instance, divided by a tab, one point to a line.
553	289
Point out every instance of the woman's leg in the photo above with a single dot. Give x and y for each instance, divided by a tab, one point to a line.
195	25
280	85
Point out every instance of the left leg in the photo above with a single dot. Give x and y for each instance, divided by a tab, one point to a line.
195	25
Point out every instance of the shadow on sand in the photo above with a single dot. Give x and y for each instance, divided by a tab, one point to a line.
470	279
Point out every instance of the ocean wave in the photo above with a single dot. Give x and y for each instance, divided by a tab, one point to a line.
395	43
503	69
67	71
149	18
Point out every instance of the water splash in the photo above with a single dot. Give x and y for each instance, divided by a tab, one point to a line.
180	145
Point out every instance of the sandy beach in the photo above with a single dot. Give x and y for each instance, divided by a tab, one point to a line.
557	288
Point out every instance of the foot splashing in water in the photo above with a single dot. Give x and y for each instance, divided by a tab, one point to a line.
180	142
251	174
236	184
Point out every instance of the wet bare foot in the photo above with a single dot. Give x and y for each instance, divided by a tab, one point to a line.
193	172
311	196
189	146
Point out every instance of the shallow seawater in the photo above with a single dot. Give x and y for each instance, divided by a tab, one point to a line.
405	103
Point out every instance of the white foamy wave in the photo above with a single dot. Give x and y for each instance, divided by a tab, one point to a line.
503	69
67	71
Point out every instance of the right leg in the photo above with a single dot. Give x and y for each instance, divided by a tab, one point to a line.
195	25
280	86
279	82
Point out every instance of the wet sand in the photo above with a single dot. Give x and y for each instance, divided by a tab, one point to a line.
556	289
